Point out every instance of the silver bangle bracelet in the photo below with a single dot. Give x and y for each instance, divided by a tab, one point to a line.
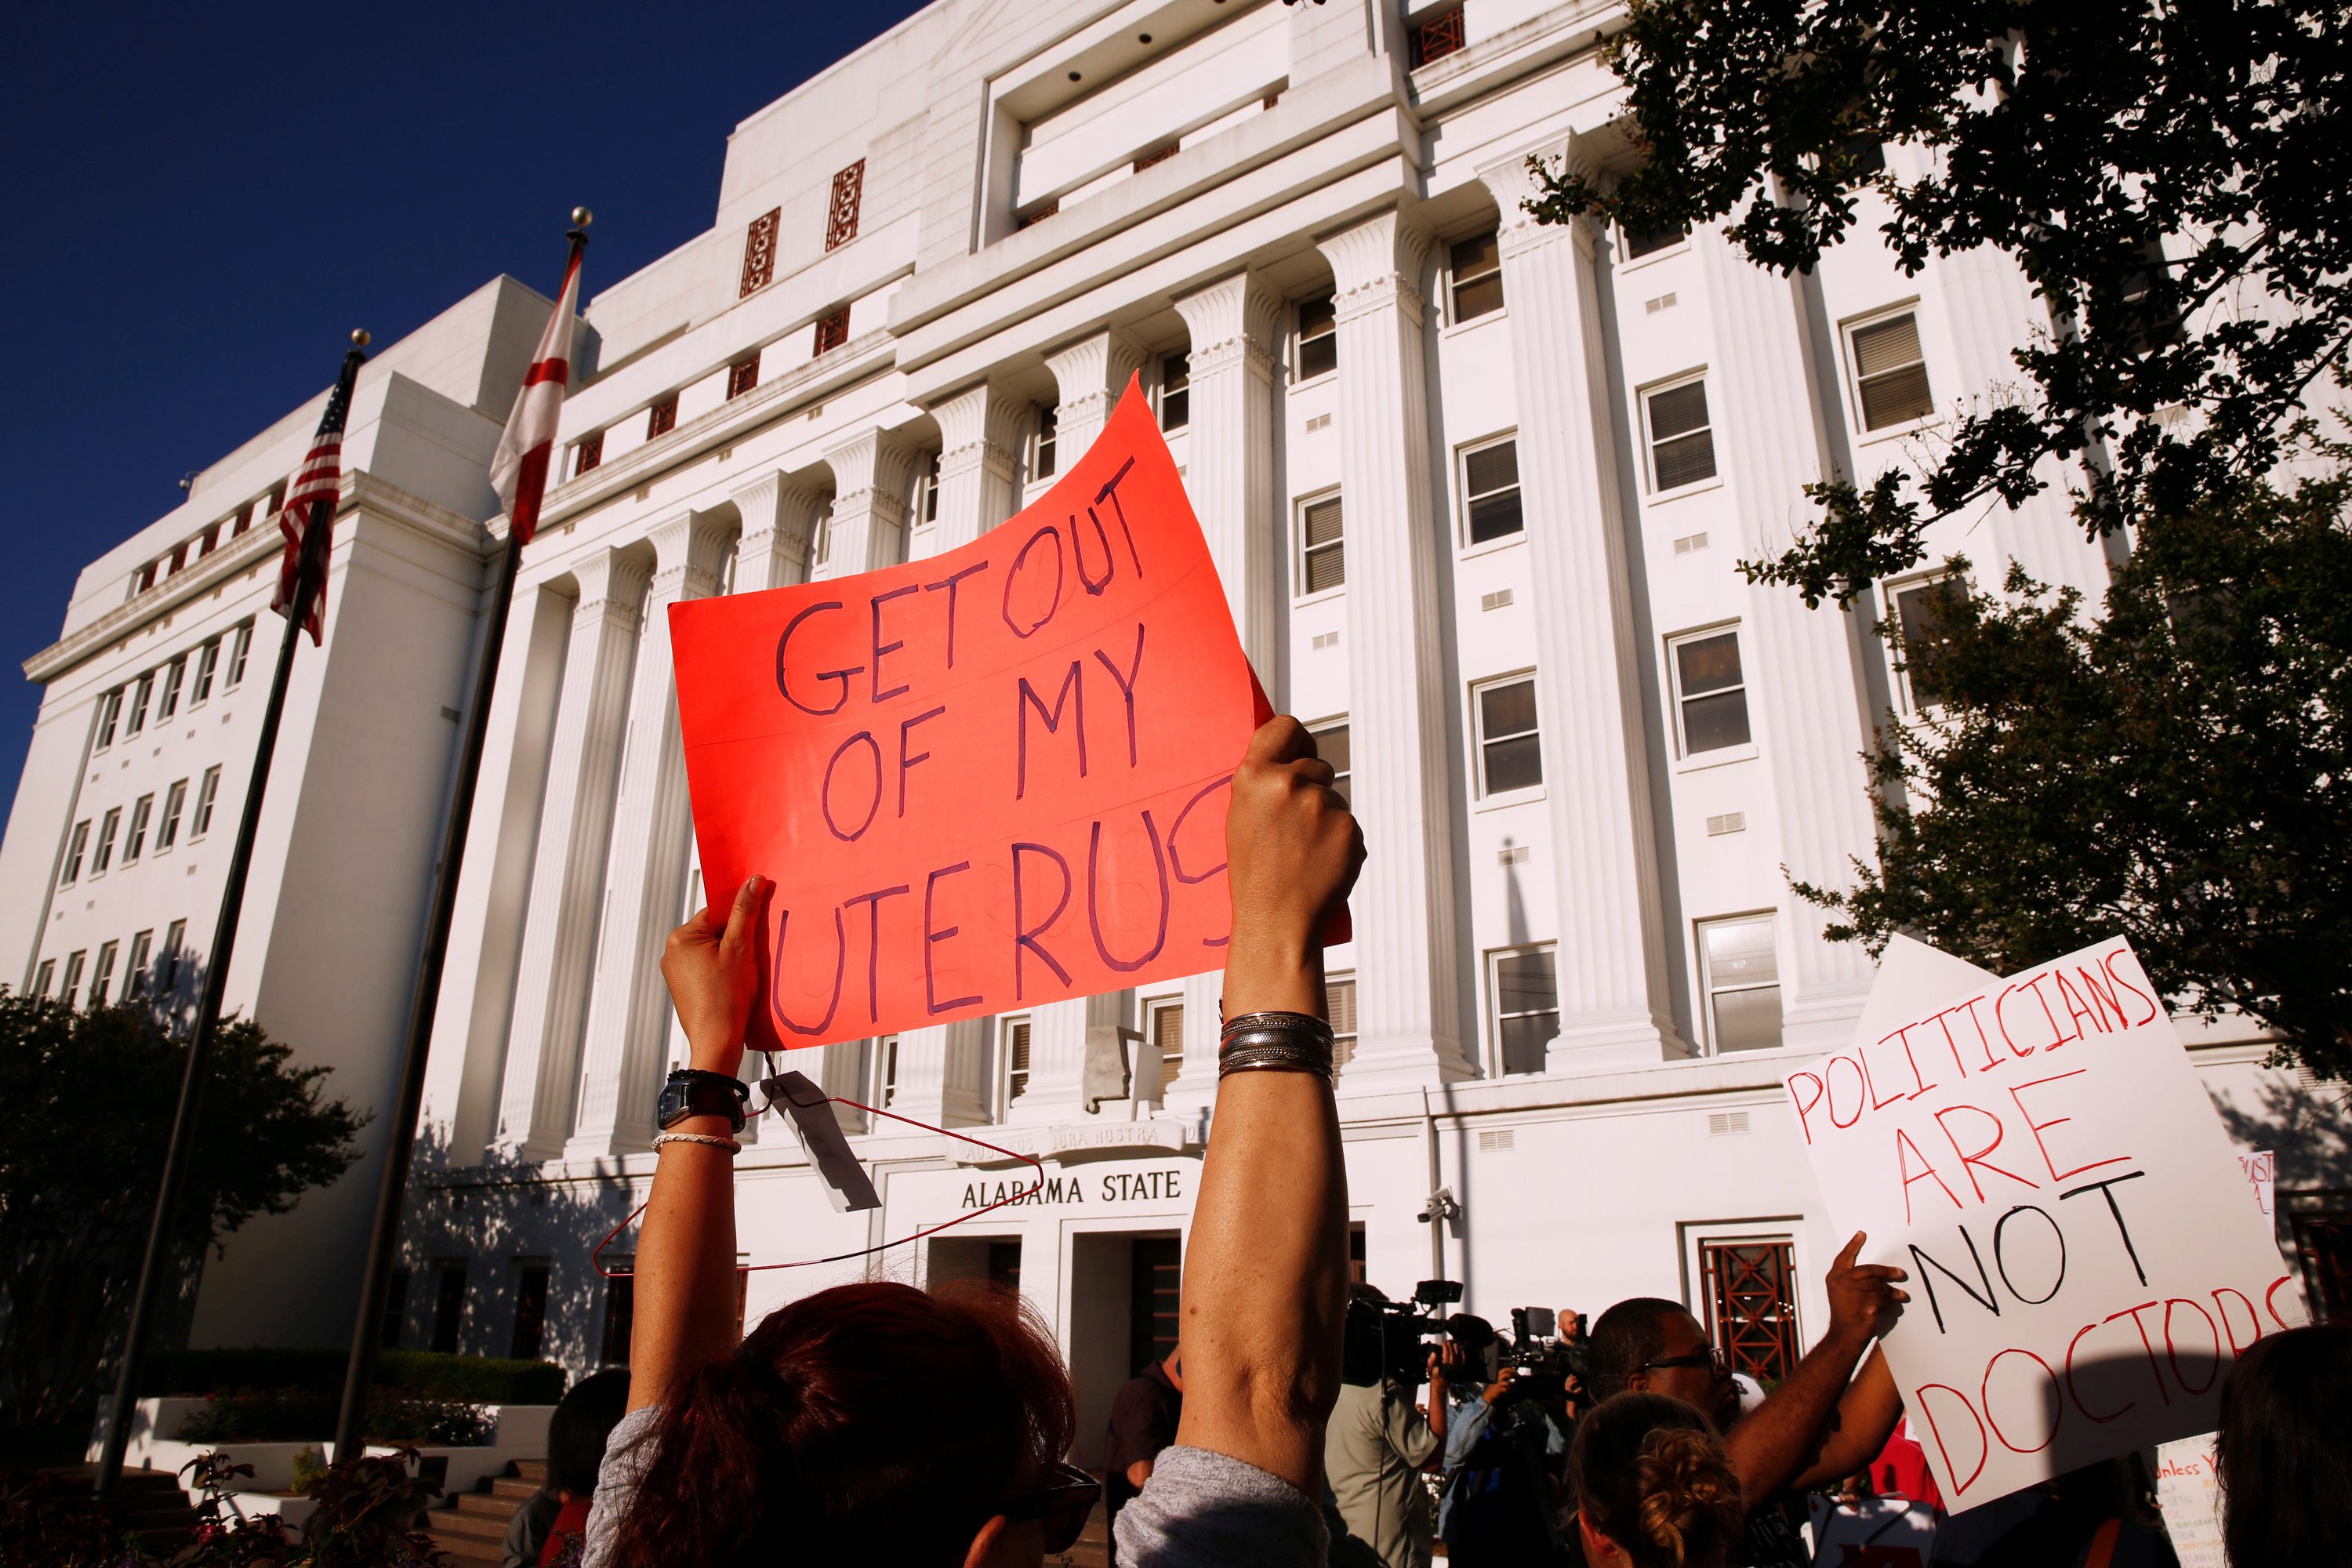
1243	1023
729	1145
1277	1056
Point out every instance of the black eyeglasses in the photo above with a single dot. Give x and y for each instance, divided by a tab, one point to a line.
1063	1502
1709	1357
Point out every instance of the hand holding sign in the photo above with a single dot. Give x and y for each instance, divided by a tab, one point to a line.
981	782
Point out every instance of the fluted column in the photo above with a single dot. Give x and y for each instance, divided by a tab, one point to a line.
1404	746
869	503
1089	374
1228	473
942	1069
645	888
779	526
1615	998
568	871
1804	686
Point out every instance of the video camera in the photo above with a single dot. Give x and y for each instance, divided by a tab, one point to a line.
1391	1339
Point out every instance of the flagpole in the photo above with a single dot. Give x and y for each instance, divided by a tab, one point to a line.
359	1373
310	581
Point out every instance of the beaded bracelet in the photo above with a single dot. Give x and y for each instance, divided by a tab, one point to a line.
729	1145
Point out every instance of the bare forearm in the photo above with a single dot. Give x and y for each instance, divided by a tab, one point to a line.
1265	1276
685	1295
1865	1419
1769	1446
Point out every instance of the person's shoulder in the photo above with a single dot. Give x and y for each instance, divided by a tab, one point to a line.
1205	1508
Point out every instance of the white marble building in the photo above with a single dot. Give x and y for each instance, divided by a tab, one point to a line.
1477	488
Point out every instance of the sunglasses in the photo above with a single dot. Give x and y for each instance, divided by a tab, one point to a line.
1709	1357
1068	1496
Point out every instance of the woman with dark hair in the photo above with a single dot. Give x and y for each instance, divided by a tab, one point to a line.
879	1424
2284	1454
1652	1487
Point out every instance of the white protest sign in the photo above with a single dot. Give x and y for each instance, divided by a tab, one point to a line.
2261	1167
2188	1491
2037	1154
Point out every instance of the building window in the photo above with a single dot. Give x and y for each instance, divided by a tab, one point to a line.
201	823
102	977
449	1304
1924	616
1331	746
104	856
1319	337
1005	1266
109	714
841	209
179	559
134	978
175	942
395	1310
145	580
1511	756
1175	392
1167	1031
1638	246
167	831
926	491
1037	215
276	500
587	452
167	702
141	695
1749	1286
1490	491
1526	993
1710	692
74	847
1890	374
1322	545
141	810
244	519
662	418
742	376
619	1315
1157	155
1049	425
1339	996
1016	1059
831	330
74	961
885	1089
1477	267
239	646
1866	155
207	665
759	252
530	1308
41	978
1155	1281
1682	442
1436	36
211	542
1739	970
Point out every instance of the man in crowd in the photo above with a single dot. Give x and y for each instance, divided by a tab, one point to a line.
1814	1429
1377	1444
1144	1416
1503	1447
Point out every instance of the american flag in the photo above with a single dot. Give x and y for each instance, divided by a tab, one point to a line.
320	478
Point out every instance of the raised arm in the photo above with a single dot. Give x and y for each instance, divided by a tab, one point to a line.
1804	1424
1265	1274
1858	1429
685	1291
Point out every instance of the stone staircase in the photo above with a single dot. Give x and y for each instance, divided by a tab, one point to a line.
153	1505
471	1527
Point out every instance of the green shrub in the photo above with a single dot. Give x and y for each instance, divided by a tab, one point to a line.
427	1375
300	1416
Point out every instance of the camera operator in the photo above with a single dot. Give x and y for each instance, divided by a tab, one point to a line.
1503	1448
1377	1444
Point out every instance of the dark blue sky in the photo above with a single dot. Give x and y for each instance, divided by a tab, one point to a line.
198	204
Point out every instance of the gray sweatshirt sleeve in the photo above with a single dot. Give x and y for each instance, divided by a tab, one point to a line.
626	1457
1204	1509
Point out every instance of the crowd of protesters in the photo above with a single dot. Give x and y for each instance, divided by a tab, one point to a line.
876	1422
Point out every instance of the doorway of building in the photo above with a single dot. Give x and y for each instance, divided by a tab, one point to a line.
1123	1317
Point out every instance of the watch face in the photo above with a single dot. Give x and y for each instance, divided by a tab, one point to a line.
672	1106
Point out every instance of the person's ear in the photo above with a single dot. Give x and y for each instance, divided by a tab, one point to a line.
1599	1550
982	1552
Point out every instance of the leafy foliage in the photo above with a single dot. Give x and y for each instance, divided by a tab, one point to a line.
76	1196
430	1375
2180	770
290	1416
2175	181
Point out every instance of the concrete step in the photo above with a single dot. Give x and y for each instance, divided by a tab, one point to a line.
531	1471
467	1548
511	1486
458	1521
500	1508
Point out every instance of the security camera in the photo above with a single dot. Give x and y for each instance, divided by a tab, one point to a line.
1442	1205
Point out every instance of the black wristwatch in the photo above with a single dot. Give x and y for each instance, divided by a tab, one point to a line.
692	1091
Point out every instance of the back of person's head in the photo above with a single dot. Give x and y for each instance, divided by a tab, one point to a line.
2284	1452
869	1422
1651	1475
1623	1338
577	1432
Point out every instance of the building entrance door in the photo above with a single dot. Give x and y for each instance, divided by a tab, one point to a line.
1123	1295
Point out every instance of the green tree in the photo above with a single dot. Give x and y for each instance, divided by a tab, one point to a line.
2175	179
2180	770
85	1107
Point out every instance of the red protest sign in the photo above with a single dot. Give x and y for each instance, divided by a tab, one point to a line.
984	781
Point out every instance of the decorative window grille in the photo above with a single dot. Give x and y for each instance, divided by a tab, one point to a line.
833	330
588	453
662	417
1436	37
1477	268
742	376
1751	1304
841	211
760	251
